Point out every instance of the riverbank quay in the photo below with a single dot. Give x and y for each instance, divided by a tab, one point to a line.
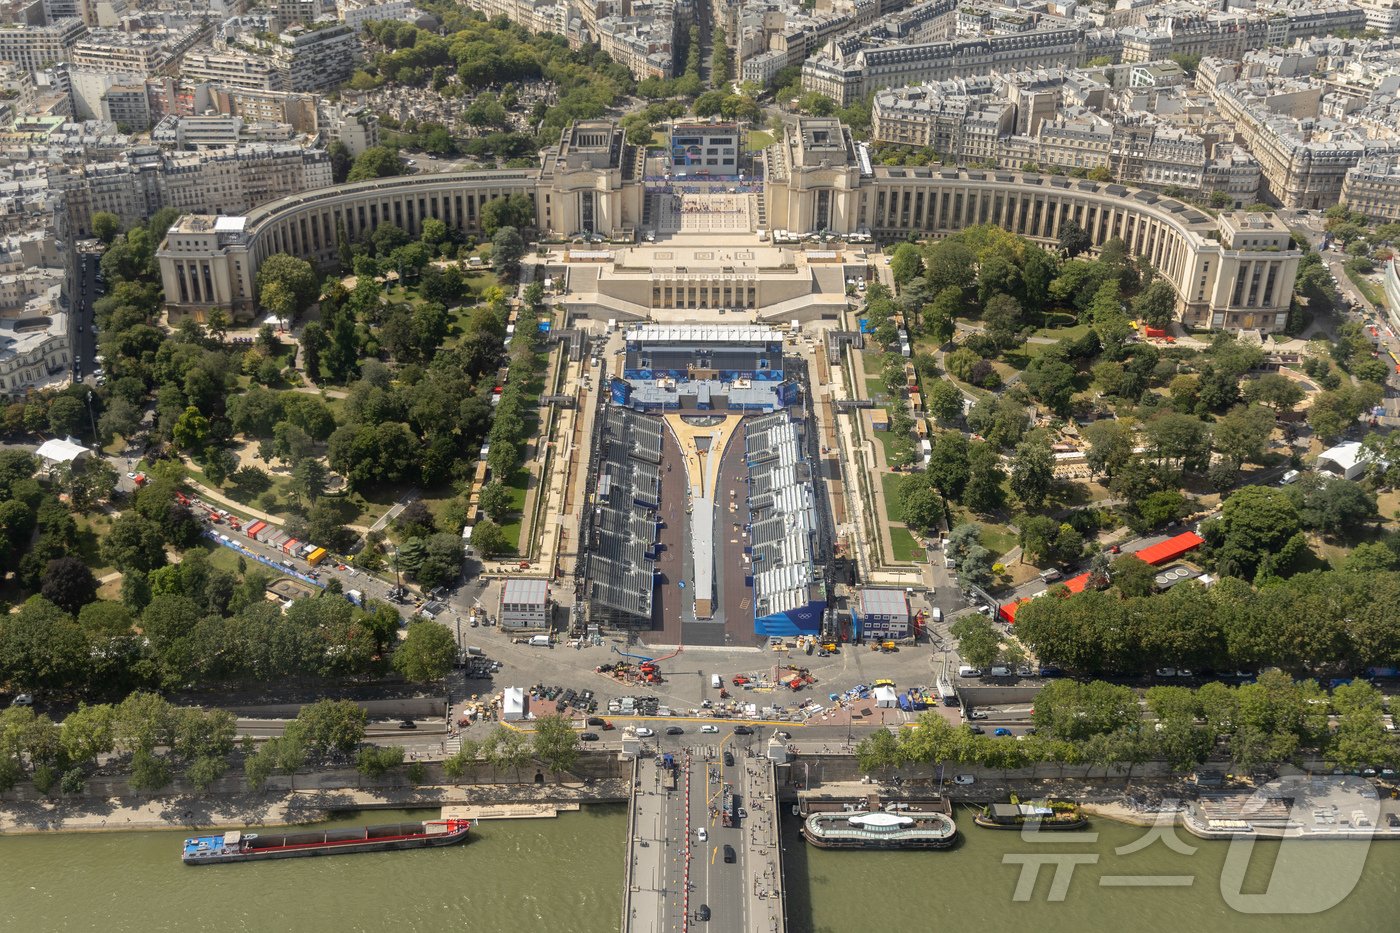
282	808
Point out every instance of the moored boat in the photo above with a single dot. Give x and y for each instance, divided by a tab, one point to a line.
1044	815
239	846
880	830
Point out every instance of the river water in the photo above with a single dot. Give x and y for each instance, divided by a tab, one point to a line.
559	874
972	888
564	875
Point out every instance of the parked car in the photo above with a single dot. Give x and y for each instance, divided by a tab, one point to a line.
588	737
1001	731
408	724
23	699
1166	672
964	779
975	730
595	720
976	714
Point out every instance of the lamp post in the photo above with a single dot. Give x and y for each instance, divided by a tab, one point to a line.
92	420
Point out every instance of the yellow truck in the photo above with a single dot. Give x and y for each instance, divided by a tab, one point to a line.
316	556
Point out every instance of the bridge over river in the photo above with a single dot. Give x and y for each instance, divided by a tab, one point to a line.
703	839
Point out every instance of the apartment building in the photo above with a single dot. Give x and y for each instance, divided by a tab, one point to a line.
34	48
355	127
1372	188
233	69
355	13
317	58
847	70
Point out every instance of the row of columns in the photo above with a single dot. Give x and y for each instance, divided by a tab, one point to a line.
666	294
313	233
196	280
1034	214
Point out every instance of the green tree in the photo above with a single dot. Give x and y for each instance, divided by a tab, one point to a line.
507	248
1074	239
906	263
878	752
133	543
337	725
1002	319
1132	576
496	501
1275	390
376	162
375	761
1110	446
1156	304
1032	472
978	642
1241	435
297	286
1255	522
66	416
555	743
106	226
944	401
427	653
69	584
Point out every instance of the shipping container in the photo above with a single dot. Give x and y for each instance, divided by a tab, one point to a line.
316	556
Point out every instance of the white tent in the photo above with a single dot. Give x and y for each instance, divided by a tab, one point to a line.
1348	460
65	450
513	704
885	697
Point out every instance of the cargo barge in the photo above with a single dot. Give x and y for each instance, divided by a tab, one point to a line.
238	846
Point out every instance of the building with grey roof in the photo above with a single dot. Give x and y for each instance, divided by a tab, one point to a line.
786	540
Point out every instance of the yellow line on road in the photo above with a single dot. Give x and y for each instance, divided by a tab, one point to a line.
713	853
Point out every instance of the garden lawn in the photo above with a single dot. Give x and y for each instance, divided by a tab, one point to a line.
759	140
1365	286
91	529
906	549
998	539
889	482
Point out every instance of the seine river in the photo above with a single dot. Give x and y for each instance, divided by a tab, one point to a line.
565	876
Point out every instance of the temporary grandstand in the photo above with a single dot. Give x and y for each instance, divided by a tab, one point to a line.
704	366
623	526
785	537
715	351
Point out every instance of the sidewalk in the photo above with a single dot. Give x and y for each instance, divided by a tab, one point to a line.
277	808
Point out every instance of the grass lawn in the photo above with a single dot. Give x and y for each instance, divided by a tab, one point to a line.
875	388
519	480
1366	287
894	507
998	539
905	547
886	441
759	139
1063	333
91	529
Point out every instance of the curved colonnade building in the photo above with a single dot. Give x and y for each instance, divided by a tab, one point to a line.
1231	272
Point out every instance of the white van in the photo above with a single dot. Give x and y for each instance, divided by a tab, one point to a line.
999	672
1050	576
539	641
1289	478
715	682
968	670
937	614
